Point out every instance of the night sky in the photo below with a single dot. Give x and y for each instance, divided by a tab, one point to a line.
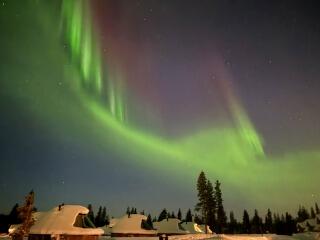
123	103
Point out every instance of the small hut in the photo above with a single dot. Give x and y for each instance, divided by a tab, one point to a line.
67	222
133	225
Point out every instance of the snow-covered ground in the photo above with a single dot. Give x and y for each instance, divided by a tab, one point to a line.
300	236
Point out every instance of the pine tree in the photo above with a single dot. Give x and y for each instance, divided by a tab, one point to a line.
302	214
256	223
232	227
282	225
211	202
98	217
149	221
312	213
202	205
91	214
188	216
25	214
103	217
317	208
246	228
132	210
276	220
277	224
221	215
198	220
179	214
163	215
128	211
107	220
268	222
14	215
290	225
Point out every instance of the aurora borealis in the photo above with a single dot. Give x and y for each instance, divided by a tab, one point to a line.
125	102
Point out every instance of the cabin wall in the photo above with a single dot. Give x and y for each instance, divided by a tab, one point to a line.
62	237
133	235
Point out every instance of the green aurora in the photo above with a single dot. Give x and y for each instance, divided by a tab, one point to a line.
90	99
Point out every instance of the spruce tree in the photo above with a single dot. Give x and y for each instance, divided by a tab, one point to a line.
246	228
256	223
302	214
179	214
188	216
128	211
282	225
163	215
211	202
277	225
91	214
103	217
202	205
221	215
312	213
107	221
14	215
98	217
173	215
268	222
198	220
317	208
290	225
132	210
232	227
25	214
149	221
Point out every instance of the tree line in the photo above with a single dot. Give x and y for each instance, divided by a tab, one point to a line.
211	212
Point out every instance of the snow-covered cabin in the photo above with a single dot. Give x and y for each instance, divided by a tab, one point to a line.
310	225
170	226
133	225
67	222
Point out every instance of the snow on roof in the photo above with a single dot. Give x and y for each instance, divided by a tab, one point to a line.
169	226
130	225
191	227
37	215
61	222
